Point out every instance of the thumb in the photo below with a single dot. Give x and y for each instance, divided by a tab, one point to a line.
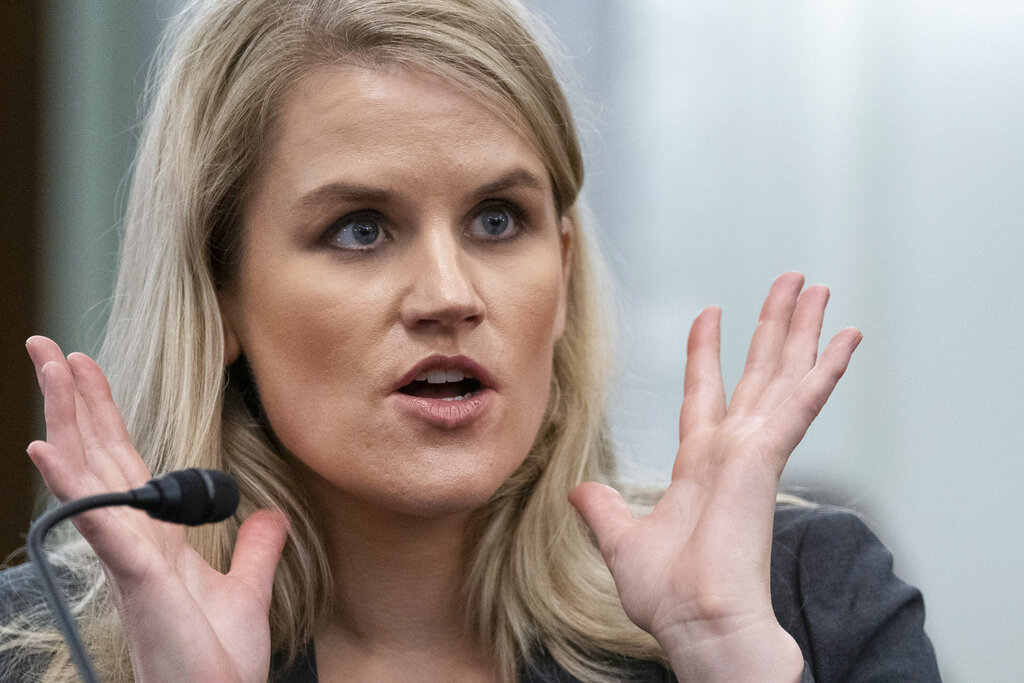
604	511
258	549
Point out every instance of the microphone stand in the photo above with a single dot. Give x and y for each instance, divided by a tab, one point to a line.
54	596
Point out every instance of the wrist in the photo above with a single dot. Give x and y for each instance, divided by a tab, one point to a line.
761	652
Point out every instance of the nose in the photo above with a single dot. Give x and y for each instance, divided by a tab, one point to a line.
441	293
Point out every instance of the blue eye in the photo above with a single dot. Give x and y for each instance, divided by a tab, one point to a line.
358	232
496	222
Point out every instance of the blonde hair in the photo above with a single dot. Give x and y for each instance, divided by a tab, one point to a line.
536	581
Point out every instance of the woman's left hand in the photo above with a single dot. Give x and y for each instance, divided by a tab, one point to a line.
695	572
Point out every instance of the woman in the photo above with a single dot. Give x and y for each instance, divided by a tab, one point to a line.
355	277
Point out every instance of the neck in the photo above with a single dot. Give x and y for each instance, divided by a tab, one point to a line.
399	602
398	579
398	576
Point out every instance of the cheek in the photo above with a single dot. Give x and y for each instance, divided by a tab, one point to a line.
531	307
310	355
530	320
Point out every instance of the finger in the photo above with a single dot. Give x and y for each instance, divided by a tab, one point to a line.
790	421
767	343
261	539
42	350
47	460
703	391
800	351
801	348
108	427
105	433
60	459
604	511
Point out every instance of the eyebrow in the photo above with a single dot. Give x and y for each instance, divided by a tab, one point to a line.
519	177
340	191
334	192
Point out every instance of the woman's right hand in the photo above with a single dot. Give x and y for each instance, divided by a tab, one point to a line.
183	619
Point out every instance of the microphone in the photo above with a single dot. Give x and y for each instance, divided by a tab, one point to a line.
191	497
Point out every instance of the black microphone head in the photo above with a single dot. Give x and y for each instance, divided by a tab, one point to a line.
193	497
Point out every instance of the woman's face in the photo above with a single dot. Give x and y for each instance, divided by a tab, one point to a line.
402	288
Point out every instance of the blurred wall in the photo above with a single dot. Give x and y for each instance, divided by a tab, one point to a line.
873	145
96	60
20	115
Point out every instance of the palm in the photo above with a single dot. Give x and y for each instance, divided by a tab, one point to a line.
700	560
184	619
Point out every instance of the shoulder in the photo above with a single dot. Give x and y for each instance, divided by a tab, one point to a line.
20	590
834	590
808	540
831	557
20	596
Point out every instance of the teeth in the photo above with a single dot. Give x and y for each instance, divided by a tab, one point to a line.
441	376
463	397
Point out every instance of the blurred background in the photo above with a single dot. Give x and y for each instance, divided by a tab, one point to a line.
874	145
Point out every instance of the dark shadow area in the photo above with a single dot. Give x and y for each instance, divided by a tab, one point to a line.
20	181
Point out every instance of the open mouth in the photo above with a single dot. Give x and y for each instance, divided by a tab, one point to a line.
447	385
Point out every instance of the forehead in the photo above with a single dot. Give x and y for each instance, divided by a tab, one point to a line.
386	123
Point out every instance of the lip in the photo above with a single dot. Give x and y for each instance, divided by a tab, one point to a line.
439	412
439	362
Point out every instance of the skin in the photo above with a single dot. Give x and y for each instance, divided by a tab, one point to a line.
329	329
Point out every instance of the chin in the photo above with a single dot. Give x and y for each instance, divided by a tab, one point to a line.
442	497
424	489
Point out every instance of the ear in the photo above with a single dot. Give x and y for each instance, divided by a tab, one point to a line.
232	347
566	235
